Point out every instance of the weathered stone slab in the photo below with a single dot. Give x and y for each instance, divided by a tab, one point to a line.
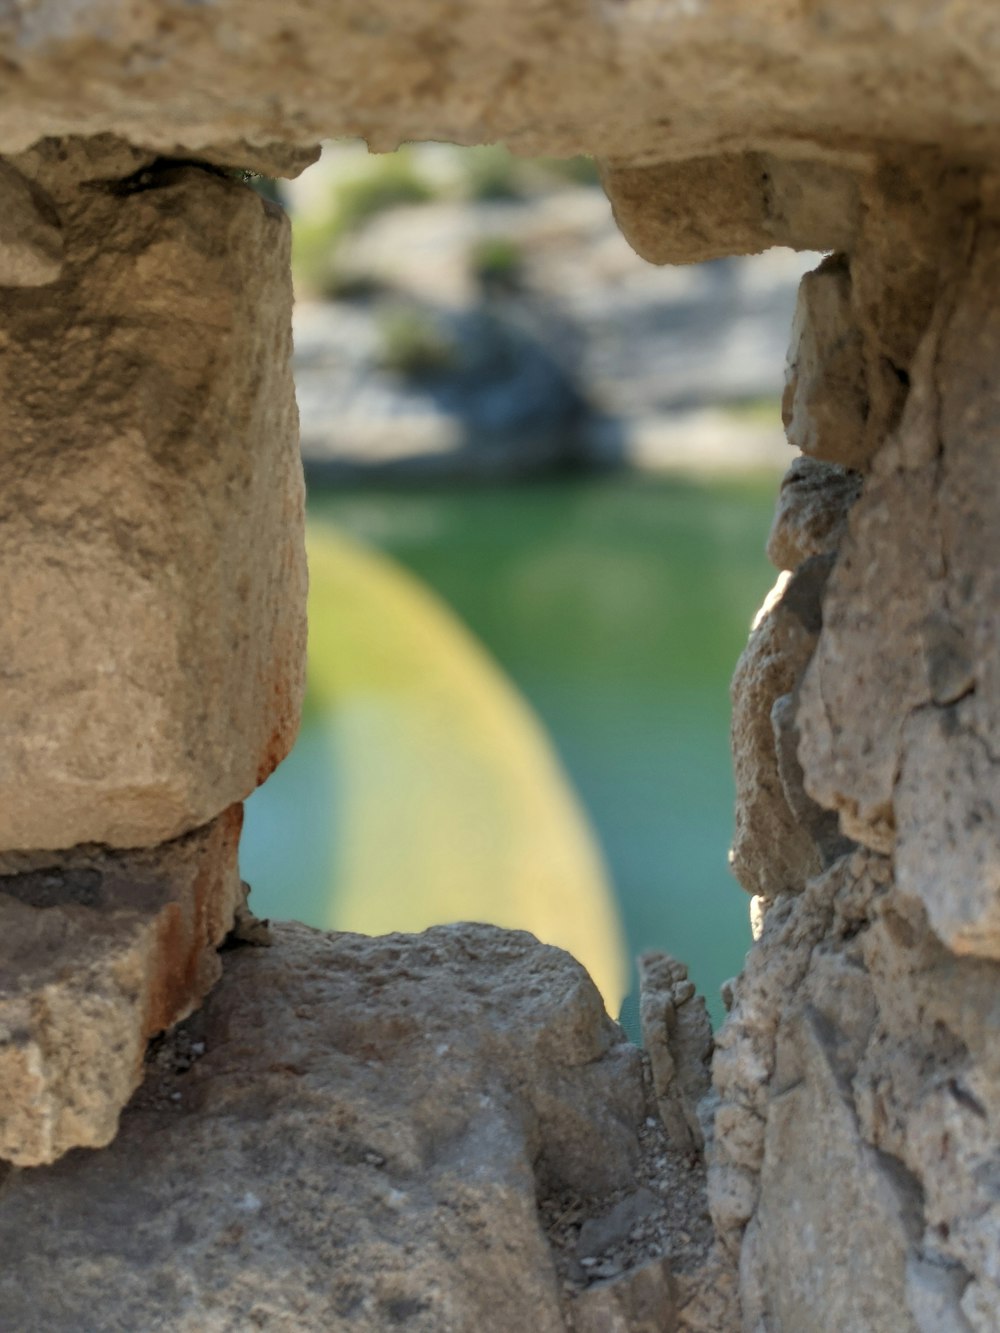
99	951
825	403
357	1133
152	567
629	79
733	204
948	828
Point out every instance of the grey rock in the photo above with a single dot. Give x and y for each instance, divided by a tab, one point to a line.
356	1132
677	1036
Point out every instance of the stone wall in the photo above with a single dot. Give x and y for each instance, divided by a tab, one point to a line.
507	1160
152	572
860	1101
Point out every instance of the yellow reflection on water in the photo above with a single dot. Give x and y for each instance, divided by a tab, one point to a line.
453	805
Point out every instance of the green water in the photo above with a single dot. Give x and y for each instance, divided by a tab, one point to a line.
618	607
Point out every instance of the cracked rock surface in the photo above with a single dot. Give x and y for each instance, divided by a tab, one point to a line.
100	950
443	1131
852	1167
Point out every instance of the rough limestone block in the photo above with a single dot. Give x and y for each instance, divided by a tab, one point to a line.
825	402
361	1133
811	516
632	80
868	673
910	629
99	951
859	1115
152	567
737	204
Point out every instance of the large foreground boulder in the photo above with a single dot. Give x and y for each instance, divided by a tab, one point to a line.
442	1131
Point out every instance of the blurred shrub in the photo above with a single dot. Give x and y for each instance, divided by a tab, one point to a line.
373	184
578	170
491	172
412	344
384	181
757	411
496	262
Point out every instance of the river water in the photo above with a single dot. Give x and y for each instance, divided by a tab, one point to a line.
617	608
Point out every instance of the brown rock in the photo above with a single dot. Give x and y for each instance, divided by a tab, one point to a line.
31	249
706	208
829	1200
368	1135
811	518
151	528
99	951
774	846
638	80
861	684
859	1103
825	403
644	1302
677	1037
905	624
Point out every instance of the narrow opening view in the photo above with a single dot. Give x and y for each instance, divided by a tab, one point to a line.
540	478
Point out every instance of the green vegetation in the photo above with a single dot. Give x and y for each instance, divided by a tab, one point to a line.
496	262
384	181
370	185
578	170
754	411
387	181
491	173
412	343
